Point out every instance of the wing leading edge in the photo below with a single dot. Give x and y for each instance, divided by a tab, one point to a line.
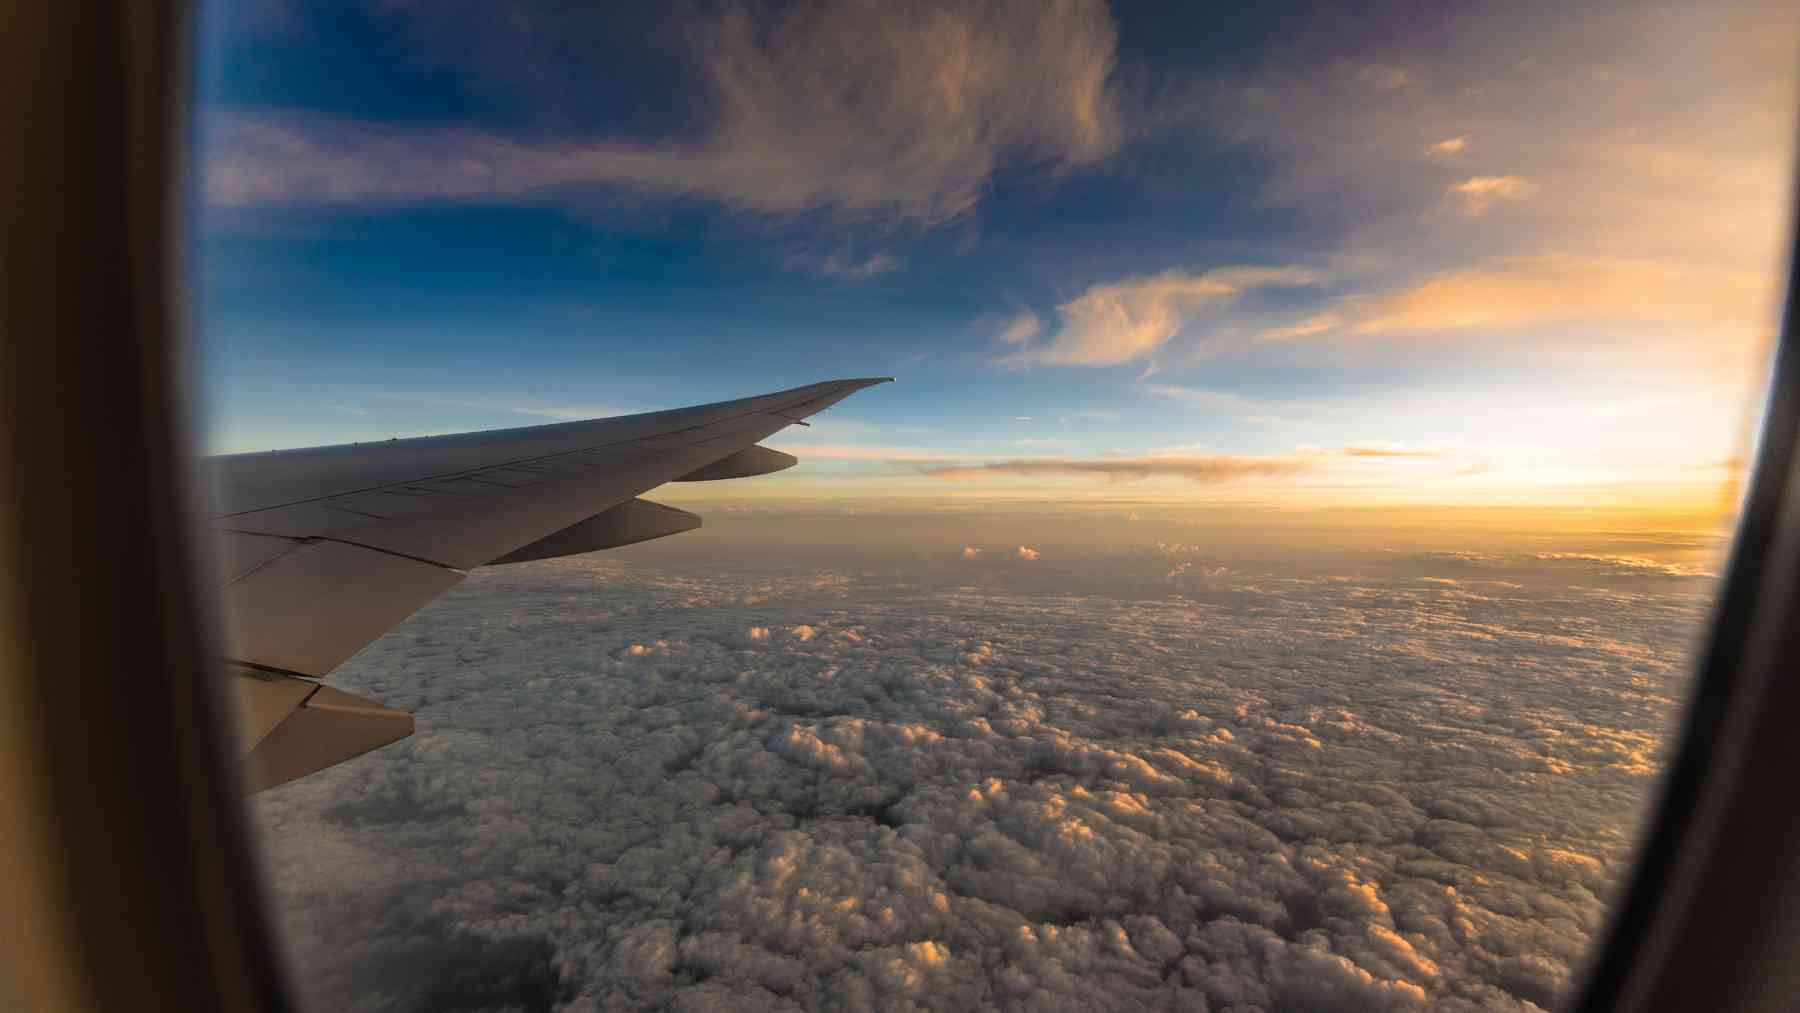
320	551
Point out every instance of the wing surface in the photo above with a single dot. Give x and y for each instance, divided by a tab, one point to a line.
320	551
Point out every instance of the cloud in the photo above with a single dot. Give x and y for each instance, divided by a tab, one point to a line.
1020	329
1609	158
1383	77
1124	321
1183	463
864	110
842	266
1027	553
1318	323
1208	469
1224	400
1387	448
1561	288
1314	794
865	452
970	552
1478	194
1602	564
1567	565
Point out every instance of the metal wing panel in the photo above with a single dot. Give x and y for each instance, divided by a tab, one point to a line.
243	483
309	610
329	727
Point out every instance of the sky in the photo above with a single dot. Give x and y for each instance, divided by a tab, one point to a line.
1522	254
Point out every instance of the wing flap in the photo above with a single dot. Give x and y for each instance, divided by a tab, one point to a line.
749	462
329	727
264	700
633	521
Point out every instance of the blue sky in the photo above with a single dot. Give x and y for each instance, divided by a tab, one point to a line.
1455	254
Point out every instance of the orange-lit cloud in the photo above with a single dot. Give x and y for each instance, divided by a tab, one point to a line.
1214	468
1477	194
1196	467
1020	329
1635	170
1384	448
1123	321
1318	323
865	452
1556	288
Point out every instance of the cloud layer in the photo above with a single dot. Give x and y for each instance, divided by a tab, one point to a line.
1205	468
795	789
1213	468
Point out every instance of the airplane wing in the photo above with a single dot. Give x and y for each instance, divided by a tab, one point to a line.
318	552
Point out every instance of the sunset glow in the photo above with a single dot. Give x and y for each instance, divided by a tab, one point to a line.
1270	582
1529	262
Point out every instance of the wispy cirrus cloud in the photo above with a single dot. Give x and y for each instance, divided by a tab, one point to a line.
1224	400
1624	176
1019	330
1205	469
1477	194
1318	323
1186	463
843	266
863	110
866	452
1381	448
1125	321
1561	288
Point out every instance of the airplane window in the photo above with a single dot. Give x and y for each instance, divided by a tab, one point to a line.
1271	582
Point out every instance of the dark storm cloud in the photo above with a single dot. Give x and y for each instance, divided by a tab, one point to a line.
690	789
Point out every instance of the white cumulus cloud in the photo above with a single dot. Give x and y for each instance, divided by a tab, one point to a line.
1274	786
